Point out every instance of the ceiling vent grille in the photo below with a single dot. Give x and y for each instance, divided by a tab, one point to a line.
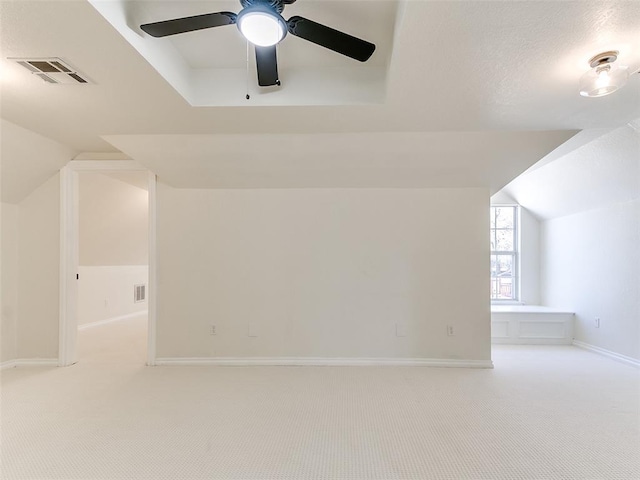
53	70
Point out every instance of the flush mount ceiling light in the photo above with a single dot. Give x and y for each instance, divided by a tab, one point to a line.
604	77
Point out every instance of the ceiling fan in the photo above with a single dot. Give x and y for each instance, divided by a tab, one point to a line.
261	23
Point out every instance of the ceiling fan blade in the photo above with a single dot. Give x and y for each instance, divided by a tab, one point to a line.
189	24
267	65
327	37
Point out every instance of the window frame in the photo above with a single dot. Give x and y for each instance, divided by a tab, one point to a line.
516	293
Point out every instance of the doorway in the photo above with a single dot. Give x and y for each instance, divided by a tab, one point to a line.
107	294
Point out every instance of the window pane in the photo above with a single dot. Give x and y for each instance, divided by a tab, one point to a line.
503	288
504	217
504	241
502	265
502	277
502	238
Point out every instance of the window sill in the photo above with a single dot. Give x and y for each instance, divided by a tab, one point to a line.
520	308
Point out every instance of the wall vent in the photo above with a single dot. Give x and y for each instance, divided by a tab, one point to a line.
53	70
139	293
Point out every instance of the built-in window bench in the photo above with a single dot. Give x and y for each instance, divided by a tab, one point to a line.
531	324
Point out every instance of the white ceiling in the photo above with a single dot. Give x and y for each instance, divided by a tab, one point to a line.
604	171
412	160
214	67
28	160
499	76
137	179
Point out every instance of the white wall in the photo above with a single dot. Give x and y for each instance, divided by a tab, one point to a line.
39	270
529	258
9	309
591	265
108	291
30	239
113	243
323	273
113	221
587	205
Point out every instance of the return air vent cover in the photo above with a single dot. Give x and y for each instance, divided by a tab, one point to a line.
139	293
53	70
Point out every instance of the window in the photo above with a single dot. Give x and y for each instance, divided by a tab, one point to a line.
504	253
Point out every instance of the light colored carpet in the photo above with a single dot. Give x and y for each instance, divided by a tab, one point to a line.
542	413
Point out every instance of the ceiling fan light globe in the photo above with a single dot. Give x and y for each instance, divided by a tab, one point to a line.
263	29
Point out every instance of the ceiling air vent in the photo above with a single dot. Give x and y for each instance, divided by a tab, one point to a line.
52	70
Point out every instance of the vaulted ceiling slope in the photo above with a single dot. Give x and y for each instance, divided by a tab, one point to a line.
604	171
412	160
474	92
27	161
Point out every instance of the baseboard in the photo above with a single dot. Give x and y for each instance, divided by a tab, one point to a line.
112	319
608	353
324	362
7	364
30	362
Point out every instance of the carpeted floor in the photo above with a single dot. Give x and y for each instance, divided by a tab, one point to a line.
542	413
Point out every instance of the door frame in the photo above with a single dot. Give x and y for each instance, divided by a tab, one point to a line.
69	253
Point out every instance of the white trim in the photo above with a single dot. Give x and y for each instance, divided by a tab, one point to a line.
523	309
8	364
68	266
323	362
112	320
516	255
542	323
608	353
30	362
68	321
85	156
105	165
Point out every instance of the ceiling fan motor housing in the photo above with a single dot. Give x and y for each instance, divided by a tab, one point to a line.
273	5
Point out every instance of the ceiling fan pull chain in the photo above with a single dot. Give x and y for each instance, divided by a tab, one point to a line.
247	75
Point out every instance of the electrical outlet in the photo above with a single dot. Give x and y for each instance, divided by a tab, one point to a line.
212	330
450	330
597	322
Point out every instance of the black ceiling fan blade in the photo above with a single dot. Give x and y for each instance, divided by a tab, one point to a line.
267	66
330	38
189	24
